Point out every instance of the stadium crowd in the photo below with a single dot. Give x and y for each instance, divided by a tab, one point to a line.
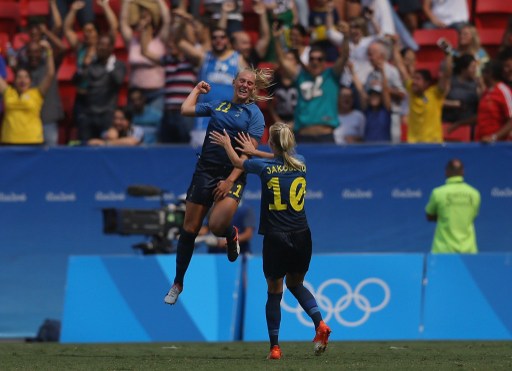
346	71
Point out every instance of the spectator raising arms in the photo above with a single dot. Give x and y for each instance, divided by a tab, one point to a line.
22	122
460	106
52	110
104	76
376	104
316	115
425	101
180	79
85	51
352	121
146	75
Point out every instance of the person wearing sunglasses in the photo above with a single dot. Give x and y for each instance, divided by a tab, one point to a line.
316	114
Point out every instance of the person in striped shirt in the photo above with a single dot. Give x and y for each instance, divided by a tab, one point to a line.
180	80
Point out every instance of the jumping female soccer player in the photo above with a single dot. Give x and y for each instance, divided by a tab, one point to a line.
287	245
215	181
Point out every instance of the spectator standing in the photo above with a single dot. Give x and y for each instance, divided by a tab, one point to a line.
85	14
425	101
461	103
144	116
299	42
52	111
318	27
359	43
85	50
454	206
506	42
378	55
443	13
104	76
469	43
23	103
380	11
122	132
494	120
352	121
409	11
506	58
213	9
144	73
37	31
180	79
316	115
284	93
376	105
241	41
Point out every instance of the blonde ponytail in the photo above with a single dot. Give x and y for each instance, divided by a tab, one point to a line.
283	141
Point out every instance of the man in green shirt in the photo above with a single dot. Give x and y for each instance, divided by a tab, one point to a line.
454	206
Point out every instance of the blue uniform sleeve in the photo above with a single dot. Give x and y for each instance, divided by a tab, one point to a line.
204	109
257	124
253	165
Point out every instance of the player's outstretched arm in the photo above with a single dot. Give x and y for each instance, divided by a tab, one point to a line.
188	107
223	139
248	148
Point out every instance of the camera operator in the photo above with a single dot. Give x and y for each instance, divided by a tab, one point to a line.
121	133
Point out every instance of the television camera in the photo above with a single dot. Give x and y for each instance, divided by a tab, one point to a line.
161	226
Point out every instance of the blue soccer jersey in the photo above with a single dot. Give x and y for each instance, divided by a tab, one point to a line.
234	118
283	192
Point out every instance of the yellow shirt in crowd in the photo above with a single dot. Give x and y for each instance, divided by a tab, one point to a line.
425	125
22	117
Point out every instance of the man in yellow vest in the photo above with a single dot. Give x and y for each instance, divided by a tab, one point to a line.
454	206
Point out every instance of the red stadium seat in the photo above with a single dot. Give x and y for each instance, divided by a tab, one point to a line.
4	39
427	42
492	13
9	17
491	39
19	40
461	134
38	8
10	75
66	71
251	22
471	8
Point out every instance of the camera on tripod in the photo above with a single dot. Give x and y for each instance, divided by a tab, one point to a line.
161	226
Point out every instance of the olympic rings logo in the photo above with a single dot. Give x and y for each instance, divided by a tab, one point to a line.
331	309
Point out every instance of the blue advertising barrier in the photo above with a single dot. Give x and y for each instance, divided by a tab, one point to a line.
361	297
468	297
120	299
360	199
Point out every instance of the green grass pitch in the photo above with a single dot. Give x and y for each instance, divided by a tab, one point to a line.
251	356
